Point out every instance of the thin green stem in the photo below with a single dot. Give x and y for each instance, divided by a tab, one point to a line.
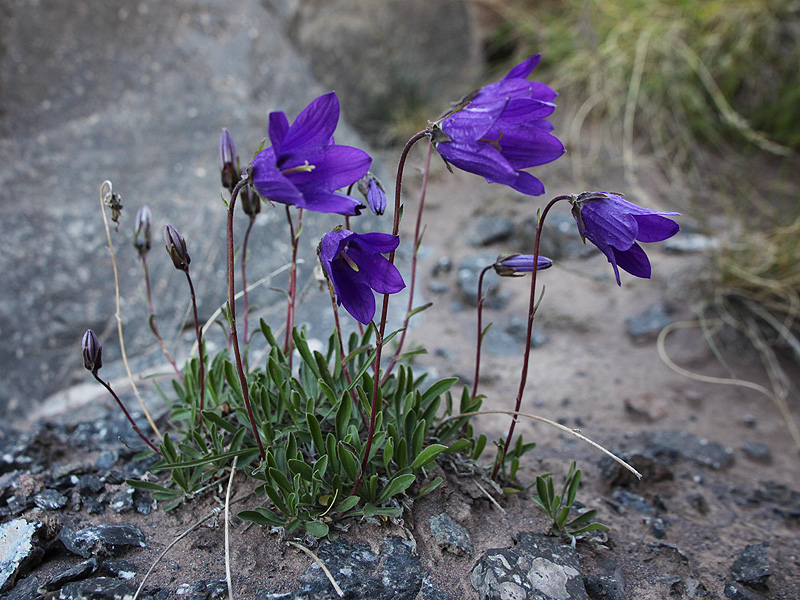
479	341
287	343
531	314
232	319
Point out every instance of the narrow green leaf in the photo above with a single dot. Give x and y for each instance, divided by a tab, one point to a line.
316	528
427	456
397	485
261	516
430	487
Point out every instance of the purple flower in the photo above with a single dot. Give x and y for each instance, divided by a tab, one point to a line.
373	192
501	129
514	265
355	265
614	225
304	166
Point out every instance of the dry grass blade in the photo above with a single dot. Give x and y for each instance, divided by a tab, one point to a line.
227	529
325	570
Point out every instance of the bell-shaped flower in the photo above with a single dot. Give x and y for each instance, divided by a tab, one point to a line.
515	265
355	265
614	225
304	167
501	129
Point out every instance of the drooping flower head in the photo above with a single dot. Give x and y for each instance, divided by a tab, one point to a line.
501	129
304	167
614	225
92	351
372	189
176	248
228	161
515	265
355	265
141	229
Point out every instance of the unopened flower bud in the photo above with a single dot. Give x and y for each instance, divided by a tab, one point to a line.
141	230
176	247
515	265
228	160
92	352
251	202
373	192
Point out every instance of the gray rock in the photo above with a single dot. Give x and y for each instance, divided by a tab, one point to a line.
647	324
560	237
469	271
734	591
141	100
122	501
451	536
99	588
537	568
20	549
76	573
628	499
101	540
489	229
668	551
27	589
757	452
386	59
751	567
684	243
609	585
395	574
50	500
107	459
683	444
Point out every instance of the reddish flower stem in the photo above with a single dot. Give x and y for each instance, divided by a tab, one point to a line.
417	234
245	304
232	317
531	314
287	342
385	311
199	334
127	414
479	341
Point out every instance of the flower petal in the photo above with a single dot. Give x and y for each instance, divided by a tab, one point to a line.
525	68
315	124
634	261
526	146
352	293
655	228
330	202
278	126
334	167
479	158
270	183
376	270
528	184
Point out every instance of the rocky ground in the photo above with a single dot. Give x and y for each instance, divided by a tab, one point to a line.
716	514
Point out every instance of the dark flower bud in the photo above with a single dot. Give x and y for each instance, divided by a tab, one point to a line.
228	160
92	352
515	265
176	246
373	192
251	202
141	230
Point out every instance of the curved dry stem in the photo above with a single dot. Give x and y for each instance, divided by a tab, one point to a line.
227	529
779	402
118	314
322	566
564	428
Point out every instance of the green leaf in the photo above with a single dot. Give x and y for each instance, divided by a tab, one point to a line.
480	444
217	420
542	495
388	452
348	503
437	389
281	480
316	528
397	485
343	417
316	432
427	456
419	309
203	461
261	516
430	487
348	461
300	467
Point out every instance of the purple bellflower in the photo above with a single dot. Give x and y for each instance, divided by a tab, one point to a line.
304	167
228	160
515	265
92	351
501	129
614	225
176	248
354	264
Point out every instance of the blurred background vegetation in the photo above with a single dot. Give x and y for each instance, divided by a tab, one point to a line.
699	102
